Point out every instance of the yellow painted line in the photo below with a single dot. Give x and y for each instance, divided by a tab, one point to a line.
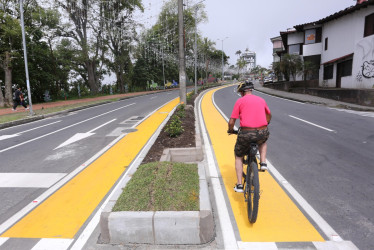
62	214
279	219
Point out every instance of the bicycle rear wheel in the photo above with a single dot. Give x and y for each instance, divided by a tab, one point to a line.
252	191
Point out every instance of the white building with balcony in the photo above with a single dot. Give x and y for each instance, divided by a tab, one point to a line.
340	45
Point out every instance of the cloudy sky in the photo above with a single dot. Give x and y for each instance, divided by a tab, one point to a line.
250	23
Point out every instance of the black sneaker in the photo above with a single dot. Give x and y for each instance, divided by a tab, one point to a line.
264	166
239	188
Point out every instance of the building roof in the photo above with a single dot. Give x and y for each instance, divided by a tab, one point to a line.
338	59
337	15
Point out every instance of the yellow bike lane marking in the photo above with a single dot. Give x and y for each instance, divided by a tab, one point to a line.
279	219
64	212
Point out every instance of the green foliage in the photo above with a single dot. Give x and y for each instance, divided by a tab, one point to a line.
174	128
181	111
161	186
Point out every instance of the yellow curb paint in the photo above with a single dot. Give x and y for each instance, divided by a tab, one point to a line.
279	219
62	214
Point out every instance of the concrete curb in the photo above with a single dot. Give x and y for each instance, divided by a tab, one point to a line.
164	227
160	227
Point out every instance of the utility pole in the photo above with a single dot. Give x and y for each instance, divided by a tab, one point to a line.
195	49
182	67
222	56
25	56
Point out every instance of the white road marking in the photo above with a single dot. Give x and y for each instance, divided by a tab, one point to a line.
80	136
322	224
55	244
229	238
153	97
284	99
361	113
3	137
16	217
88	230
318	126
3	240
37	138
29	180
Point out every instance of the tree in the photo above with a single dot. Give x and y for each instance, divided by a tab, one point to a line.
291	65
241	63
119	33
85	27
10	38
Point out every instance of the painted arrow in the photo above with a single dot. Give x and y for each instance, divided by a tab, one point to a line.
81	136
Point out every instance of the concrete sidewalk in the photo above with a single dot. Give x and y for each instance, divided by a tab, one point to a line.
311	99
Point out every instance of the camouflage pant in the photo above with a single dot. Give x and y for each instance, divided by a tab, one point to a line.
245	138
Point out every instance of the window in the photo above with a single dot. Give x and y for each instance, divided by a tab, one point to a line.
328	72
313	36
310	36
326	43
346	68
318	35
369	25
294	49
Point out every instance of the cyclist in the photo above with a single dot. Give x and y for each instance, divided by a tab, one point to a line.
254	115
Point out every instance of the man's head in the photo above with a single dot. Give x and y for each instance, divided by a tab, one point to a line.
247	86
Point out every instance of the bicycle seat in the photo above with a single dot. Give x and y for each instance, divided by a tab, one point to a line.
253	149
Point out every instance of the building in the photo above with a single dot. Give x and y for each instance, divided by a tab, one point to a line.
277	47
250	58
341	46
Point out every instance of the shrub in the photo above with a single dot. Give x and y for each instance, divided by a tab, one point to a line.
175	127
181	111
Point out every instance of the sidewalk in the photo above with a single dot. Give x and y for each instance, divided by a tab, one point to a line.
311	99
46	105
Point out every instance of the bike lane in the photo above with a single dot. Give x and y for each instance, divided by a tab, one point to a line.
279	219
62	214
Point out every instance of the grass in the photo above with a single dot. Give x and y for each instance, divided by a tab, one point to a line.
161	186
22	115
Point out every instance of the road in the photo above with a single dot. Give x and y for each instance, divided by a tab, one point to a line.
39	158
327	156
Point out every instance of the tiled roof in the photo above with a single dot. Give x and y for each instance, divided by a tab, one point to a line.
337	14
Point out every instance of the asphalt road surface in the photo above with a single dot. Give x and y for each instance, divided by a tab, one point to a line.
327	156
35	156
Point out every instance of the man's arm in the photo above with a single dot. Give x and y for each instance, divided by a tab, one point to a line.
231	125
268	118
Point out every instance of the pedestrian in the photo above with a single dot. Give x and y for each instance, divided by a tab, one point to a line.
19	99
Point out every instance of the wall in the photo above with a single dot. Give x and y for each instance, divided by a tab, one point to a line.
312	49
345	36
295	38
363	63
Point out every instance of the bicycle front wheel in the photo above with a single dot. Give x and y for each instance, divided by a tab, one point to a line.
253	192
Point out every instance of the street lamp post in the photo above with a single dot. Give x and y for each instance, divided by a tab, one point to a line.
222	56
25	56
195	47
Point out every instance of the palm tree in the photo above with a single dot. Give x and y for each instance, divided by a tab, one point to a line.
239	52
241	63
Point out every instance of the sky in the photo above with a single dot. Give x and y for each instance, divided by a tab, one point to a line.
250	23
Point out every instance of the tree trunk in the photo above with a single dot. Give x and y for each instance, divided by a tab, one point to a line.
1	98
8	99
91	70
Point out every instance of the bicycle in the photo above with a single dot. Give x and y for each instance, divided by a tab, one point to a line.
251	184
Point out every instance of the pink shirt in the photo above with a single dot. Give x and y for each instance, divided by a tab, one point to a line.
251	110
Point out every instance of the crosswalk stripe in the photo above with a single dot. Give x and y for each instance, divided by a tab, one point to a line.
29	180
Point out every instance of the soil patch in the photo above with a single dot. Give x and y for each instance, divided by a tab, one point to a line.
185	140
